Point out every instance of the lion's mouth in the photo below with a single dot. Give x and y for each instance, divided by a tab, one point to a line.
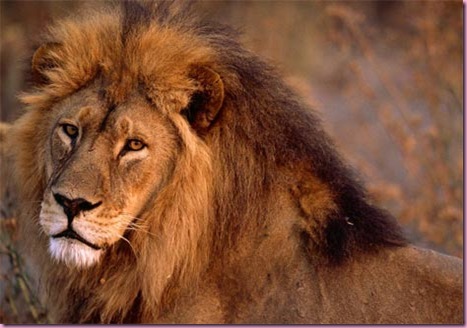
69	233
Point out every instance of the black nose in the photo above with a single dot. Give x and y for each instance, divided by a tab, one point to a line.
73	207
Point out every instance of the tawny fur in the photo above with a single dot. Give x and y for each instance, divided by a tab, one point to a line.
259	212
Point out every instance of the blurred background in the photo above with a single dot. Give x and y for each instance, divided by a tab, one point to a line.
385	76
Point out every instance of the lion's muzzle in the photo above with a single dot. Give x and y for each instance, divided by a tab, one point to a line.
70	222
72	208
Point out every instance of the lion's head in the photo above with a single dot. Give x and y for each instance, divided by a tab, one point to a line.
116	132
104	168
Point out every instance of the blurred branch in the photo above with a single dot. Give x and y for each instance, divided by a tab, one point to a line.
18	279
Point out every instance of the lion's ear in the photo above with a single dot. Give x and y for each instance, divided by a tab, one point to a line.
42	61
207	100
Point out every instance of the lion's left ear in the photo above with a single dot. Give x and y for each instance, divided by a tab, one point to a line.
207	100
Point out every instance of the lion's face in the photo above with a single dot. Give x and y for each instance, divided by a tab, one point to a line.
103	167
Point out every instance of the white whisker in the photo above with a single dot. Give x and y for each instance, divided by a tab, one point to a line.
135	226
129	243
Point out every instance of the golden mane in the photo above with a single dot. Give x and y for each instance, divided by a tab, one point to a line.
154	48
264	154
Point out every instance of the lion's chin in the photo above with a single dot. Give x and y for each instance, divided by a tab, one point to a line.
73	252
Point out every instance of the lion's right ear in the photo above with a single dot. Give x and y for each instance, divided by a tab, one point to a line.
43	61
207	100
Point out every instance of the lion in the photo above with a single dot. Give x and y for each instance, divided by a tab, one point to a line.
165	174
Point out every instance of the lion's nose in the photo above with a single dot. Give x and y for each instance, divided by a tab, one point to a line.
73	207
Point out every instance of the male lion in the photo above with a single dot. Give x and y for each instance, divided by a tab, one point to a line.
165	174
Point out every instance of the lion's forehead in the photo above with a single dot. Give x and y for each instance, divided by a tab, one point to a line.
87	107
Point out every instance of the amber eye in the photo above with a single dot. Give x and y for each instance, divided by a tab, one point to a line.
134	145
70	130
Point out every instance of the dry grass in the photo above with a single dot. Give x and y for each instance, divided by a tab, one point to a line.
417	102
386	76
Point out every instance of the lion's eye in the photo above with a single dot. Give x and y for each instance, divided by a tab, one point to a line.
134	145
70	130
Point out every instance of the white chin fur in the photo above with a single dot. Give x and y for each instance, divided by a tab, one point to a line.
73	253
